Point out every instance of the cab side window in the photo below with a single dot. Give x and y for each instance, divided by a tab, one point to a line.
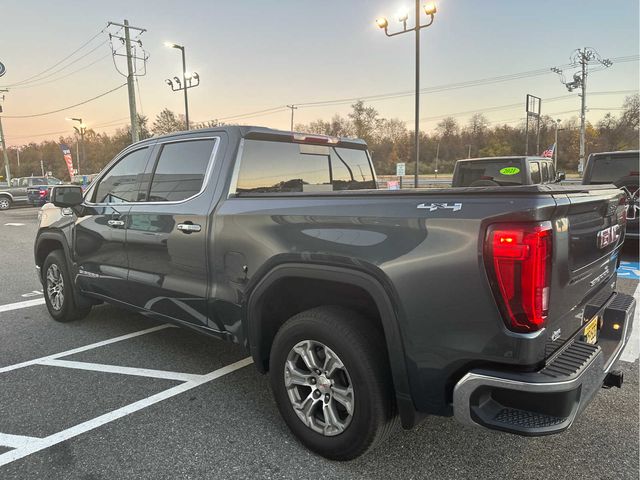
121	183
535	172
180	171
545	172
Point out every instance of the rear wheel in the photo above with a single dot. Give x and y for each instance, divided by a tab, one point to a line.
59	294
331	380
5	202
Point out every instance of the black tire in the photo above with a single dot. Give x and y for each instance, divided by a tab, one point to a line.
66	307
5	202
362	351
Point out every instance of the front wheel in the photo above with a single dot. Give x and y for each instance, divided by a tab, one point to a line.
5	203
331	380
59	294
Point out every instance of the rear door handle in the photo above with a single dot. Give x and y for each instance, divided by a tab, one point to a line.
115	223
189	227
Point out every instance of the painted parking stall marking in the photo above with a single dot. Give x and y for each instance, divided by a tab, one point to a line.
23	446
18	305
630	270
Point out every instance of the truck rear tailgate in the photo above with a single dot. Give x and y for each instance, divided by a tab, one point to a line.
589	230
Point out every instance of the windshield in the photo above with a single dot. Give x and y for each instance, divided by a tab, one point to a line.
54	181
611	168
482	173
38	181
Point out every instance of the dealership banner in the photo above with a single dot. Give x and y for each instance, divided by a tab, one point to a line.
66	151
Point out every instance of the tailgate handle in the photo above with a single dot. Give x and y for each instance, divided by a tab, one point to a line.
189	227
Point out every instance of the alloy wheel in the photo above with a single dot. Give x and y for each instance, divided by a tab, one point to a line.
55	287
319	388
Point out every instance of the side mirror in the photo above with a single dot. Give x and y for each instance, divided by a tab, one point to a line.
560	176
66	196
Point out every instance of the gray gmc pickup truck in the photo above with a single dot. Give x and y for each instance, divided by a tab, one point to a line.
495	305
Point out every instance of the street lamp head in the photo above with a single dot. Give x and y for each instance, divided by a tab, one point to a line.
196	76
169	82
382	22
403	16
188	75
170	45
177	80
430	8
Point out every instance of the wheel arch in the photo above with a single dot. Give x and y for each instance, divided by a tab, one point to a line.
260	334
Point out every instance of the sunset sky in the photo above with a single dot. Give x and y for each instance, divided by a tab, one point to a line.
254	56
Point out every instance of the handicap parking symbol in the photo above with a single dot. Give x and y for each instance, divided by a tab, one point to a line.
630	270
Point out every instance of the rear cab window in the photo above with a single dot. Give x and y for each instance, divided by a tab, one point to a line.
282	167
504	172
613	168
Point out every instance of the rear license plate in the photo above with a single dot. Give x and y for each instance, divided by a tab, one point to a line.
590	332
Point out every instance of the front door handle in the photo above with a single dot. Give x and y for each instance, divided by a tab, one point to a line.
115	223
189	227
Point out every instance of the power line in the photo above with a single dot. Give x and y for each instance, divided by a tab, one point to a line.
406	93
63	76
58	62
66	108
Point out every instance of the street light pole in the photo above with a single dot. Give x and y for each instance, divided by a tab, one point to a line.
430	10
187	82
555	150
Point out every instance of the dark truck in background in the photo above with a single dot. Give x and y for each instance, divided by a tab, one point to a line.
16	193
496	305
505	171
621	169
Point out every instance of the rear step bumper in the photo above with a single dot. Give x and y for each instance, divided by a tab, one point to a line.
549	400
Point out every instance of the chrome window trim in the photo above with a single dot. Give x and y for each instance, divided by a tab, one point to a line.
205	181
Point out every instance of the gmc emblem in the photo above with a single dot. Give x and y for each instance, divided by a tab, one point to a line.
608	236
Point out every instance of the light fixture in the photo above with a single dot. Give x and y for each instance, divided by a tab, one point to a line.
430	8
382	22
170	45
403	16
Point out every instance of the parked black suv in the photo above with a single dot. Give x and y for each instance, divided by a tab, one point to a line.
493	304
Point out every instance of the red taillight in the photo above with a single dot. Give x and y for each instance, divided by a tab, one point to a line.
518	260
43	193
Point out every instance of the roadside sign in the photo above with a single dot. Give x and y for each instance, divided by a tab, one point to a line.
393	185
400	170
3	69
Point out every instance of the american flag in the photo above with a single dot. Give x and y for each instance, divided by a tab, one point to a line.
549	151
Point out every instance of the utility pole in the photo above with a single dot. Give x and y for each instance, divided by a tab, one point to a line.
292	107
469	151
437	155
582	58
7	167
135	134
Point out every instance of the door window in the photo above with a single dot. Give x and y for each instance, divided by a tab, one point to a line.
180	171
121	183
535	172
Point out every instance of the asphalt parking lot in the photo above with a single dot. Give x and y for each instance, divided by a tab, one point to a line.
117	395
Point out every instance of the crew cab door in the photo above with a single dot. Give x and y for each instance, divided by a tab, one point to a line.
100	233
167	232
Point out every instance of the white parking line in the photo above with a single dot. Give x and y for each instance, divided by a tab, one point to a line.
631	351
84	348
40	444
18	305
15	441
140	372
